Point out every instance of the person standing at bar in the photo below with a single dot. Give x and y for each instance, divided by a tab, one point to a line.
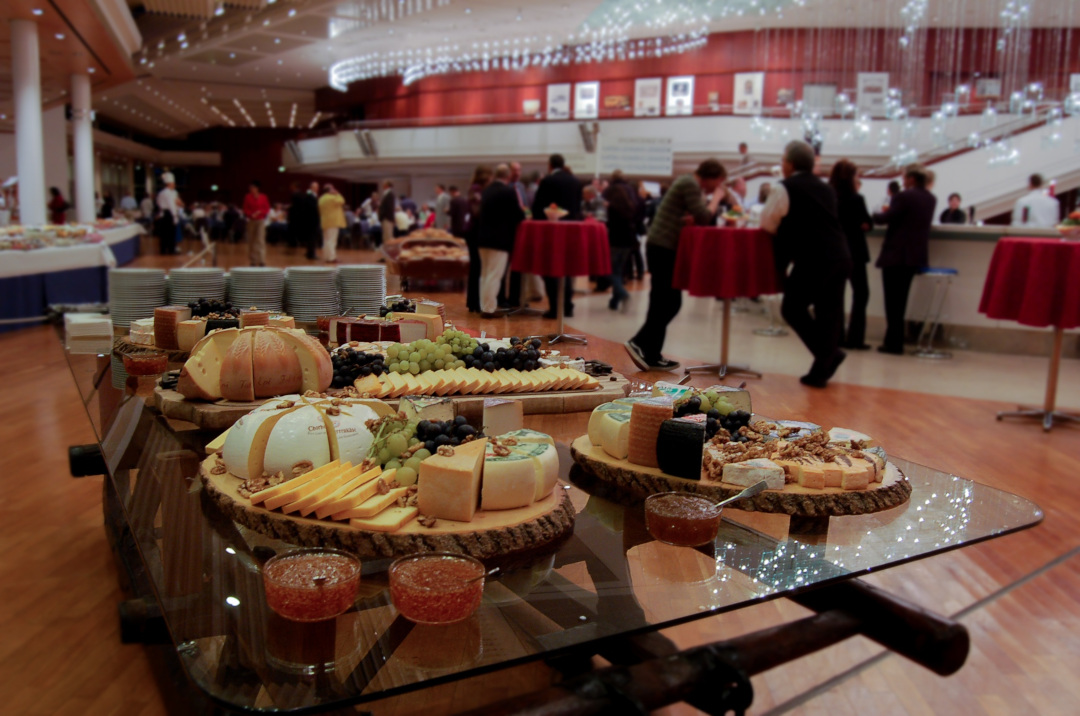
500	214
855	221
480	178
332	220
801	213
387	209
561	188
622	216
905	251
682	205
442	208
256	209
168	203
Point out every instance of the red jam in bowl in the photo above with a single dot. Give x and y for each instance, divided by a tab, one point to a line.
435	588
146	363
681	519
311	585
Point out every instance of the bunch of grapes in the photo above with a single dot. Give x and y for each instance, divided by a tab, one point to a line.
391	450
519	356
206	306
420	356
402	306
436	433
350	364
702	402
730	422
461	344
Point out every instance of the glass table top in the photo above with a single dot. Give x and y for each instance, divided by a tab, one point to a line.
609	579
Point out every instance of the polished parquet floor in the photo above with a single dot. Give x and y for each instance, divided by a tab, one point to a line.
60	652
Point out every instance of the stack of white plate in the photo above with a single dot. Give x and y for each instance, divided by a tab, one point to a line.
260	286
191	284
311	291
134	293
363	288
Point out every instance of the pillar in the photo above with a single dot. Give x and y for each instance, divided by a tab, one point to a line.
29	147
82	133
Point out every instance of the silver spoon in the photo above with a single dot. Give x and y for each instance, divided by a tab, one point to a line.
489	573
748	492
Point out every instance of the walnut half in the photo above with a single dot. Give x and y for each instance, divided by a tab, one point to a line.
428	522
445	451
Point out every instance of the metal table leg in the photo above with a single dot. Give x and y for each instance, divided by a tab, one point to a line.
562	336
933	320
722	368
775	328
1048	414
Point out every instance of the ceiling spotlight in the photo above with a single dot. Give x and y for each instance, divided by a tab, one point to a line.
59	36
219	11
181	37
292	12
91	70
37	11
232	55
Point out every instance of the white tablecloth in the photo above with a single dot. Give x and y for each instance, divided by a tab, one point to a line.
26	263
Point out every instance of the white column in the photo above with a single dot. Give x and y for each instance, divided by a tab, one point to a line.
83	148
29	147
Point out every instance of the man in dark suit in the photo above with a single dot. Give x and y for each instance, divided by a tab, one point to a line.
459	213
500	214
562	189
801	212
905	251
302	210
387	209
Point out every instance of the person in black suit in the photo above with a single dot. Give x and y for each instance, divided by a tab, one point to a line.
387	209
855	221
801	212
561	188
458	212
302	209
500	214
905	251
954	214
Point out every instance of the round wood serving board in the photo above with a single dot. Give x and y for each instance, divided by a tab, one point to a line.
123	345
492	533
793	500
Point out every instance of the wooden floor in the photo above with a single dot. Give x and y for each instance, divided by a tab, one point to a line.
60	651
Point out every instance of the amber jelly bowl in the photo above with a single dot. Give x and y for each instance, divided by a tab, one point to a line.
682	519
311	585
436	587
145	363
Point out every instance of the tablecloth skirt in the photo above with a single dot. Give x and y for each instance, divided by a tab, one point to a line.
725	263
562	248
1035	282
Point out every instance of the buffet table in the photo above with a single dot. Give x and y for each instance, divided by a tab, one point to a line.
725	263
31	280
605	589
1034	282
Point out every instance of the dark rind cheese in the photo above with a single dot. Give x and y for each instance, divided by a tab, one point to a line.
680	445
213	324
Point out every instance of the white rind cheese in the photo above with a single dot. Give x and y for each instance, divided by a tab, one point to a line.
752	472
503	416
614	434
299	436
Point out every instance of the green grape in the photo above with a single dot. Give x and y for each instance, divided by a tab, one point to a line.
405	476
414	368
414	441
413	463
706	404
439	364
394	464
403	368
724	406
422	453
384	456
425	365
712	395
414	357
396	444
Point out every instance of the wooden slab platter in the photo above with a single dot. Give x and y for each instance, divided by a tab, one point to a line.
794	500
492	533
123	345
222	414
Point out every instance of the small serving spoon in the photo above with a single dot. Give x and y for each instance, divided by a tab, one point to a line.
490	573
748	492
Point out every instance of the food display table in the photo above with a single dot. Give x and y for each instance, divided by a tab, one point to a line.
1034	282
562	249
31	280
607	589
424	258
725	263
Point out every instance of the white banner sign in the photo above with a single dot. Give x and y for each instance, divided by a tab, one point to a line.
637	156
558	101
749	89
871	90
647	93
680	95
586	100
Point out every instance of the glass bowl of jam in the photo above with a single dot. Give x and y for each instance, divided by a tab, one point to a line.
311	585
682	519
436	587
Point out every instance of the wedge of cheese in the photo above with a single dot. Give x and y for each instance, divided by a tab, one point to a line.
289	487
190	332
357	496
375	504
338	500
449	486
316	370
389	520
751	472
217	443
275	367
237	383
322	477
305	503
244	444
200	378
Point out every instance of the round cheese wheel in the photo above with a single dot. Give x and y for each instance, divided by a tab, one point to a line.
299	436
240	443
353	437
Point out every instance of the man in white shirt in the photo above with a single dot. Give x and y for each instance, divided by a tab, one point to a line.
169	203
1036	208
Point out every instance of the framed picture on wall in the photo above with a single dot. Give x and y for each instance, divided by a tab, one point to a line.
586	100
819	98
871	89
749	89
1074	83
989	87
647	97
558	101
680	95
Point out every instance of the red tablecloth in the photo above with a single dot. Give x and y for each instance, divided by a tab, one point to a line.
725	263
1035	282
562	248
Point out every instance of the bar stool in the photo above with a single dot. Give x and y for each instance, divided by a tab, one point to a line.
942	278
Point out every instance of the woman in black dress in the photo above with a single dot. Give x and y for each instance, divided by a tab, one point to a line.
856	221
480	179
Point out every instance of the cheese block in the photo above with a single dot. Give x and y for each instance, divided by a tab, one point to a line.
316	370
350	438
389	520
449	486
415	328
280	321
167	320
752	472
418	408
374	505
811	473
335	501
141	331
218	443
221	323
646	418
301	488
680	446
190	332
244	446
857	472
237	382
289	487
598	413
254	318
509	480
355	497
630	401
317	490
879	464
368	385
275	367
297	437
200	378
832	473
844	438
613	434
800	428
433	308
737	398
546	458
503	416
528	436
